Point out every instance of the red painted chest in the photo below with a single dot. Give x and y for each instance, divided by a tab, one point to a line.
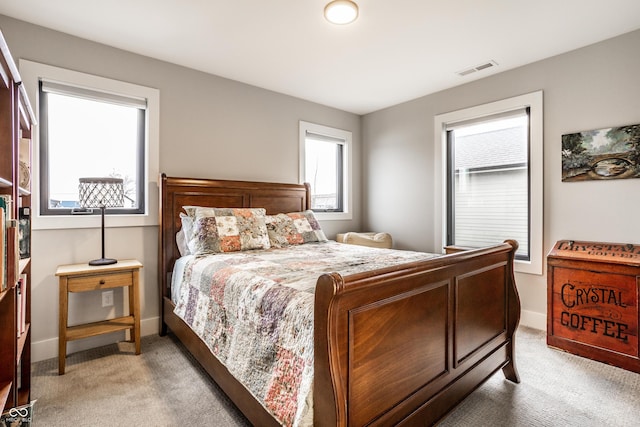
593	291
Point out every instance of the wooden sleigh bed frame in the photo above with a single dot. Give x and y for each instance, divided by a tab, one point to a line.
397	346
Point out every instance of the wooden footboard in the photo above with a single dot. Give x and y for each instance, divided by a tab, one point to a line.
405	345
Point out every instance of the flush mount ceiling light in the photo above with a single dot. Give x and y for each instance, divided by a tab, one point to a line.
341	12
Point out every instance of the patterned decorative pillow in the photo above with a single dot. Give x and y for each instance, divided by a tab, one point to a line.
228	230
294	228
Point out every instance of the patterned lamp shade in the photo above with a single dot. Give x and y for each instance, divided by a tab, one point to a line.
101	192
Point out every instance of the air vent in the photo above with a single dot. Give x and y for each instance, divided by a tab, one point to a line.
477	68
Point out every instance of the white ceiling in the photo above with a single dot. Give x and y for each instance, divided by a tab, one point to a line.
396	51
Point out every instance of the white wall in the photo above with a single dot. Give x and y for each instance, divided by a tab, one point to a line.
209	127
590	88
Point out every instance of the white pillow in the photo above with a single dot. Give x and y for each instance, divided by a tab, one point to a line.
181	241
184	234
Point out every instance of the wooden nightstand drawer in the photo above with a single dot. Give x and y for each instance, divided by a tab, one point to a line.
101	281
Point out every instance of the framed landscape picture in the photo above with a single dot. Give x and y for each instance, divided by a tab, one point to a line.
611	153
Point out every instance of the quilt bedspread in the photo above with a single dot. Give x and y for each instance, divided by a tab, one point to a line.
254	310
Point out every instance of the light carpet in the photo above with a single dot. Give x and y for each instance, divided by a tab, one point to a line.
164	386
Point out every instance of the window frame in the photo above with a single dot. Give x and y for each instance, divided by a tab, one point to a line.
338	135
44	149
32	73
533	101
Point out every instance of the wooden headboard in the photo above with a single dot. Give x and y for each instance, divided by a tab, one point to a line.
178	192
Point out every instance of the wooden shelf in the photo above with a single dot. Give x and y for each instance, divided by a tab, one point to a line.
97	328
5	390
16	128
22	341
24	397
23	263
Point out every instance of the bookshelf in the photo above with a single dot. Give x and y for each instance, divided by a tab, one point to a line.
16	122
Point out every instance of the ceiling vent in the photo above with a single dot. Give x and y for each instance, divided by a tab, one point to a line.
480	67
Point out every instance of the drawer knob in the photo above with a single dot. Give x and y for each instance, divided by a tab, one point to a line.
102	282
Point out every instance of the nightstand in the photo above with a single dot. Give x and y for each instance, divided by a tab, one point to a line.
85	277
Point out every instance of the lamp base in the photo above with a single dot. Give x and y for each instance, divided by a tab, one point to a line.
103	261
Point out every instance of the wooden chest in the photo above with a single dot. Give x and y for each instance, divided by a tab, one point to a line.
593	291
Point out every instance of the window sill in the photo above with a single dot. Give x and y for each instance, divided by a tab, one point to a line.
333	216
528	267
92	221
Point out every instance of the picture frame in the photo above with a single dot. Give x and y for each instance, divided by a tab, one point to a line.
601	154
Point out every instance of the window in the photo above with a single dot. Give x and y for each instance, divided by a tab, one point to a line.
488	182
491	166
90	126
86	133
325	165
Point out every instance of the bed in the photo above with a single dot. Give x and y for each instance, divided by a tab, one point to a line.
401	344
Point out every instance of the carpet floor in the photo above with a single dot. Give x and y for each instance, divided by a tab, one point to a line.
164	386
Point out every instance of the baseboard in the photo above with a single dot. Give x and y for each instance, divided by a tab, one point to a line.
48	348
533	319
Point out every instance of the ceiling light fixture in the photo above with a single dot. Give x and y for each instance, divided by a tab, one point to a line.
341	12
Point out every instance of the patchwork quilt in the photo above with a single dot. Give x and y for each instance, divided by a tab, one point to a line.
254	310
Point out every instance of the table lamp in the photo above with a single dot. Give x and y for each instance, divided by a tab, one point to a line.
101	193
